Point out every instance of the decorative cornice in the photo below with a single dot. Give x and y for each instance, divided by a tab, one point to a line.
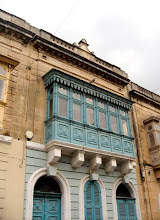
14	30
146	95
13	63
75	59
77	84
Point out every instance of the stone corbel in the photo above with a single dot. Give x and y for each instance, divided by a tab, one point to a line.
78	159
126	167
110	165
95	163
54	154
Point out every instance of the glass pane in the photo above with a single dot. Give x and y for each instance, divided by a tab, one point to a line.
112	109
102	119
123	113
2	71
76	112
50	107
1	87
62	107
114	123
90	116
90	101
124	127
152	140
101	104
158	136
62	91
76	96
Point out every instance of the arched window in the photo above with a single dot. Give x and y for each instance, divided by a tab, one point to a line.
47	199
92	201
126	207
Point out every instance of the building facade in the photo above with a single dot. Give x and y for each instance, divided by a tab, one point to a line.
70	138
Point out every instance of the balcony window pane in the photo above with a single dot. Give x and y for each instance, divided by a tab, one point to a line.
76	96
76	112
112	109
50	107
1	88
123	113
114	123
2	71
62	107
124	127
62	91
101	104
90	116
90	101
152	140
102	119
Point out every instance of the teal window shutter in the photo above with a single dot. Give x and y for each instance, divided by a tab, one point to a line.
126	209
92	204
131	209
122	212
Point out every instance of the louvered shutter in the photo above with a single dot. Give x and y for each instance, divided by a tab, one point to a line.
88	201
93	207
131	209
122	212
97	202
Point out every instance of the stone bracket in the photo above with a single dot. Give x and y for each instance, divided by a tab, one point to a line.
110	165
78	159
127	167
95	163
53	156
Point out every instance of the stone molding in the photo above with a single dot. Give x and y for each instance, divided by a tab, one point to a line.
134	194
35	146
65	199
5	139
151	97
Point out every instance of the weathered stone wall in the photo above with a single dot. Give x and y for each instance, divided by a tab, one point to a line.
148	187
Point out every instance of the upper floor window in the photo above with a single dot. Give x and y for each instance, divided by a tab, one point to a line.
74	105
3	77
153	131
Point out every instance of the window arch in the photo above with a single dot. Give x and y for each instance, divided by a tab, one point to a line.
126	206
92	201
125	191
47	199
64	187
81	198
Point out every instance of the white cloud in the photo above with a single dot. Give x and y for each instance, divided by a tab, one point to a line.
125	33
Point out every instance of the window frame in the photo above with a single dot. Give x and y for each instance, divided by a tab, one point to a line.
5	78
71	100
